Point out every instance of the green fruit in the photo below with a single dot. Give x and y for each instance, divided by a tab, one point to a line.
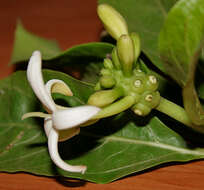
151	83
141	109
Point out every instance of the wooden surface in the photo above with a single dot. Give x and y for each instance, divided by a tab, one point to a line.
72	22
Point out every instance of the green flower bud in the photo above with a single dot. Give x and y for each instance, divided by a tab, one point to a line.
107	81
113	22
105	72
98	86
136	42
108	63
104	97
139	73
126	53
115	58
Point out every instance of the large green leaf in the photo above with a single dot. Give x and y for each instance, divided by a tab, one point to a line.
85	58
111	149
145	17
26	43
181	41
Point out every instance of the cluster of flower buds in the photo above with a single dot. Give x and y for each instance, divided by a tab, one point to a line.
123	84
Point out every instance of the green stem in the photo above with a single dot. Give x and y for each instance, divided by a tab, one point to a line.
115	108
192	104
103	98
175	111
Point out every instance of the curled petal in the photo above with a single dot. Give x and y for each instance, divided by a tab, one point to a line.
67	134
53	150
63	134
48	125
58	86
34	75
72	117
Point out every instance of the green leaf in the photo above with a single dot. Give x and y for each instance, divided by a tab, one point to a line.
26	42
126	148
85	53
111	149
85	58
181	41
145	17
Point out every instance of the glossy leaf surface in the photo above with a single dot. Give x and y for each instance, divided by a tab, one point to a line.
181	41
26	42
111	149
83	60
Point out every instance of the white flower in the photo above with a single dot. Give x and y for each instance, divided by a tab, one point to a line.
60	123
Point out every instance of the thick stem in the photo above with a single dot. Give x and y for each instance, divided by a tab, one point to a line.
115	108
104	98
192	104
173	110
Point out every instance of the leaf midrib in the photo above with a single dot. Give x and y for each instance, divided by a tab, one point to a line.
131	165
148	143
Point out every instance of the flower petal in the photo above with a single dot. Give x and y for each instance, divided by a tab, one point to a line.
34	75
63	134
53	150
48	125
34	114
72	117
68	133
58	86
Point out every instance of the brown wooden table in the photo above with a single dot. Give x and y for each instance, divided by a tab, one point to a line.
73	22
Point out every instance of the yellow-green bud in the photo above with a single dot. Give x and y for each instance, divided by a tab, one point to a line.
126	53
115	58
105	72
108	63
136	42
113	21
98	86
107	81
